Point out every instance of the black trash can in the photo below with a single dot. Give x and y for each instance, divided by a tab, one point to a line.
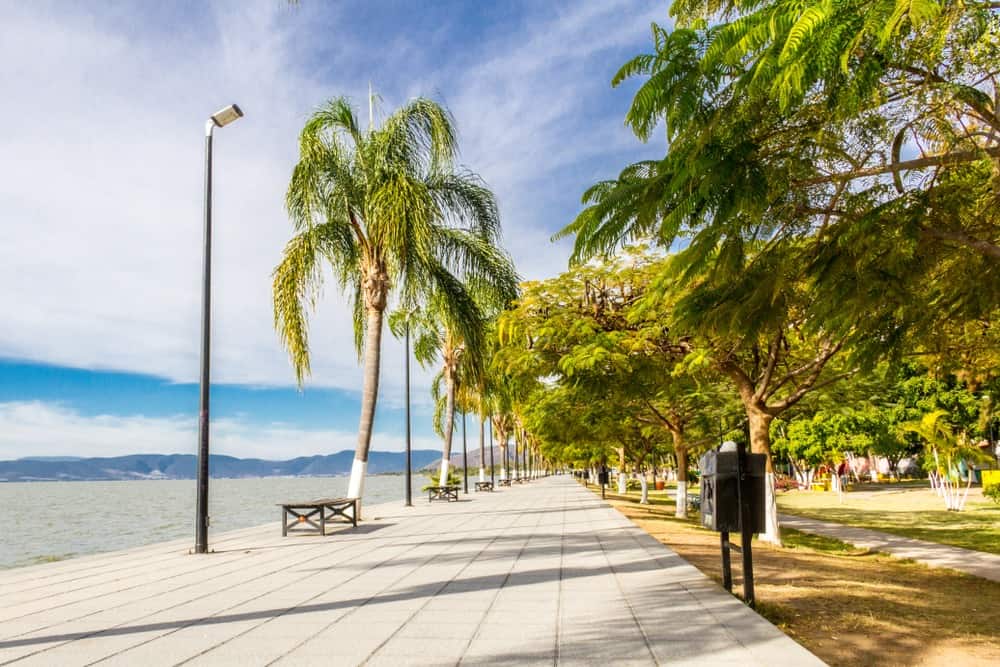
719	490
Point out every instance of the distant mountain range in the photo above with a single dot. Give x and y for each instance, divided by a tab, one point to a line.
182	466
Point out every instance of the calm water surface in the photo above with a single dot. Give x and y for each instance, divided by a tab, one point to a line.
45	521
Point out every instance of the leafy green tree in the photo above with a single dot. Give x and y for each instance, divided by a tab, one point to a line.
583	329
387	210
868	129
945	451
751	322
461	347
829	436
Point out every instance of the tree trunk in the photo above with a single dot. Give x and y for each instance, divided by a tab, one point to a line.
503	458
644	499
680	450
760	443
622	478
482	448
369	397
449	425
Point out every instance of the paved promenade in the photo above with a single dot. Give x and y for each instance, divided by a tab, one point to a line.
976	563
543	573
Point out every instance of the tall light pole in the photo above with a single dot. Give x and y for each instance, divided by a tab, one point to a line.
406	376
465	456
492	465
220	118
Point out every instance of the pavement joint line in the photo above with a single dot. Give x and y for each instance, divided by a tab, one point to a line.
199	621
684	584
342	545
87	635
148	564
345	537
559	595
370	598
634	535
552	555
180	573
500	588
73	564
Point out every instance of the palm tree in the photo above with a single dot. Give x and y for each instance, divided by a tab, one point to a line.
941	441
461	349
389	212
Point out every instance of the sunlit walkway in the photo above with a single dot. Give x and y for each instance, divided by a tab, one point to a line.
538	574
976	563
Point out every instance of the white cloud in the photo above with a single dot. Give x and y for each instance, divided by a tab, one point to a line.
34	428
101	168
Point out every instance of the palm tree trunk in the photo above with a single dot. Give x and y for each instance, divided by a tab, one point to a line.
482	448
449	426
369	397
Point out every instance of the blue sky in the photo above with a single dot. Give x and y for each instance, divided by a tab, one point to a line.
100	195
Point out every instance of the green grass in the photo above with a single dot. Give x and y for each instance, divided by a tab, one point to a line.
910	512
794	539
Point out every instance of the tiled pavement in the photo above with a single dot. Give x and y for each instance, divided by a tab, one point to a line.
543	573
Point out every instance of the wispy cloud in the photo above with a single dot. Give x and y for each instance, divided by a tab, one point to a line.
34	428
101	158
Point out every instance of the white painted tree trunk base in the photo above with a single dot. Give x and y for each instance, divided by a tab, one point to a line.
356	485
681	499
445	466
482	474
644	500
772	533
622	483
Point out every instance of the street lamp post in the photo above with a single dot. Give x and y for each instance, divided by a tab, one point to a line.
220	118
406	375
465	457
492	464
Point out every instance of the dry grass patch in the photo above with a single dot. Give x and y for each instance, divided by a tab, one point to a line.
848	606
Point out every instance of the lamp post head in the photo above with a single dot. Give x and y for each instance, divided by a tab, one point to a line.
225	116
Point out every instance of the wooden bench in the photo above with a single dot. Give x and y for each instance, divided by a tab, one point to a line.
484	486
504	482
448	493
322	508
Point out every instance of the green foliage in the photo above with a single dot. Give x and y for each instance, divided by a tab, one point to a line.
434	479
945	449
386	209
600	368
855	141
993	493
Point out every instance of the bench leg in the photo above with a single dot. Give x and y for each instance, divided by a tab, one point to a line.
322	521
284	522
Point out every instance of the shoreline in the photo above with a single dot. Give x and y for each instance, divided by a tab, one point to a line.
57	522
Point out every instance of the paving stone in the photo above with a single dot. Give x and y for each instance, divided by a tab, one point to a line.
498	578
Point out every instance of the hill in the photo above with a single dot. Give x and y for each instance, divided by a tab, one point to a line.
183	466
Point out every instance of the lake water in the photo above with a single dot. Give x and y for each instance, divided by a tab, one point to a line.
46	521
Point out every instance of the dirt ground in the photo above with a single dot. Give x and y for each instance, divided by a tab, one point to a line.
849	607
